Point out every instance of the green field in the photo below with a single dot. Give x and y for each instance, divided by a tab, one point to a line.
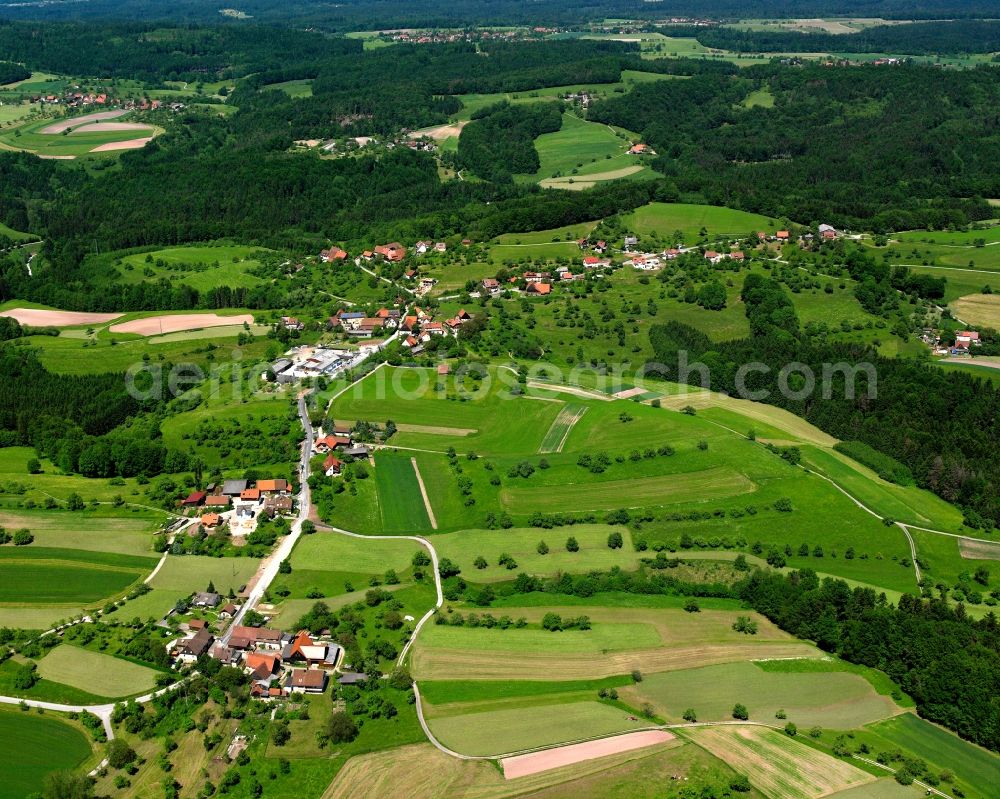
98	530
201	267
602	638
184	574
501	731
400	500
34	746
73	144
40	585
582	148
665	218
972	764
333	552
95	672
838	700
522	545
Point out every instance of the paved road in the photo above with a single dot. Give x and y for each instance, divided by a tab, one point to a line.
269	569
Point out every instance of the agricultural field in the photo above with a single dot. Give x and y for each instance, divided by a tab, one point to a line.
96	672
777	765
974	766
980	310
665	218
839	700
621	639
200	267
88	135
35	745
184	574
464	547
582	148
400	500
41	585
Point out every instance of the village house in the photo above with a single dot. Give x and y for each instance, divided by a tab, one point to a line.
827	232
533	277
303	649
233	488
228	610
712	256
276	486
391	252
250	495
671	254
332	254
964	339
539	288
210	520
206	599
641	149
329	443
291	323
332	465
306	681
783	235
190	649
593	262
441	247
491	286
194	499
217	501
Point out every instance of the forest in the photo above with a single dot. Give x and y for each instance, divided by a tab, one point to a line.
365	14
11	73
910	415
500	141
947	662
824	152
953	37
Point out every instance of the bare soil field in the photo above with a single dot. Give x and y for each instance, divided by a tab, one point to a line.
524	765
630	392
441	132
67	124
128	144
40	318
777	765
110	127
979	550
174	323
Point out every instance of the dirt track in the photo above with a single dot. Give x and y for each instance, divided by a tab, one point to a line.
40	318
174	323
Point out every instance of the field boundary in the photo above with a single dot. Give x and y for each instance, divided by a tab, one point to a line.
423	493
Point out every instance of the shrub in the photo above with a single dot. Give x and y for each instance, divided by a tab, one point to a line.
740	712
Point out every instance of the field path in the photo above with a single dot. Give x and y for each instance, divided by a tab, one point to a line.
423	493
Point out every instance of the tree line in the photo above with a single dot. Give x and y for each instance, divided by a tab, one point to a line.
500	140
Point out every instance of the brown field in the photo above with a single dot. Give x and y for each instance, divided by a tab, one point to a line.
979	309
66	124
487	665
630	392
422	772
173	323
39	318
105	127
548	759
778	766
979	550
129	144
440	132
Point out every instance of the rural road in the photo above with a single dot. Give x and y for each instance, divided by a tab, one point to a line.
269	569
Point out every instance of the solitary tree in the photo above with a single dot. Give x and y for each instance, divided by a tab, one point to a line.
740	712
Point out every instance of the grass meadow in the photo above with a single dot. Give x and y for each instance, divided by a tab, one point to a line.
96	672
35	745
201	267
400	500
840	700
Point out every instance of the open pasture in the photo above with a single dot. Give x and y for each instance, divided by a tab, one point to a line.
665	218
96	672
184	574
622	639
334	552
779	766
202	267
503	423
629	493
522	545
92	530
581	147
840	700
34	746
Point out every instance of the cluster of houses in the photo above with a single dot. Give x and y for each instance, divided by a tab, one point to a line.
237	503
76	99
278	663
359	325
965	342
337	442
420	327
